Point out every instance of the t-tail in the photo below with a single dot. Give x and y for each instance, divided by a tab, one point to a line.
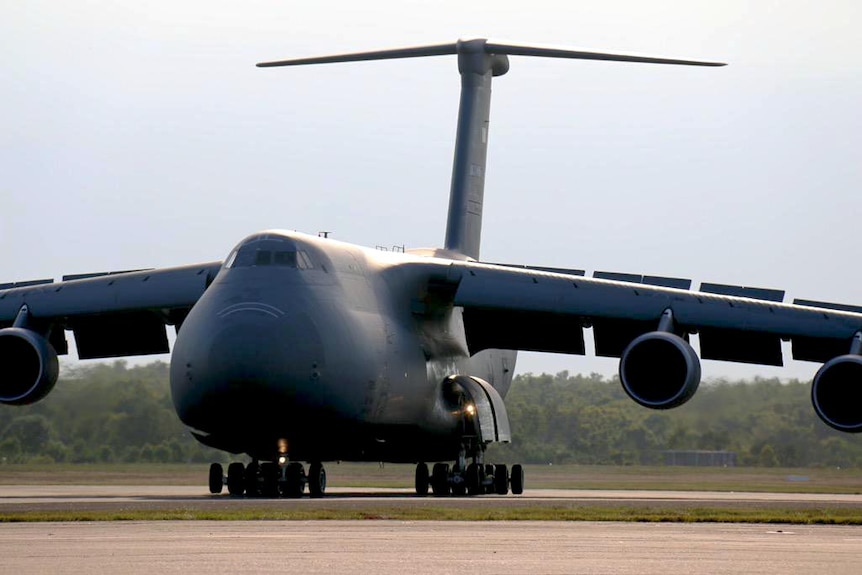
479	60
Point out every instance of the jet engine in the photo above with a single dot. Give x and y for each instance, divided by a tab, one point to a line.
29	365
659	370
837	393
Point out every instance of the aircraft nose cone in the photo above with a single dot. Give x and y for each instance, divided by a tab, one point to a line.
245	366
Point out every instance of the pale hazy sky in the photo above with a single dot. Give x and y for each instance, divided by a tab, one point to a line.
140	134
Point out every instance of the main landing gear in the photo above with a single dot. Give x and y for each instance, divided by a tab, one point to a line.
472	479
268	479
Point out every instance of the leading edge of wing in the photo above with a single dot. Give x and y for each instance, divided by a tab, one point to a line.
492	287
164	288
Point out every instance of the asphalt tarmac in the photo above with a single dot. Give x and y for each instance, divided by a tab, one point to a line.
115	497
393	547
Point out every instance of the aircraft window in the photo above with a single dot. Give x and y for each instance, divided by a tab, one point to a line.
262	258
284	259
230	259
268	253
304	262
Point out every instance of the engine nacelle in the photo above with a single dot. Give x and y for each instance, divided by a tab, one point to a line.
28	366
659	370
837	393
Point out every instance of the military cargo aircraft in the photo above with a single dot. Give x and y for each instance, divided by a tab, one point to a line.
303	349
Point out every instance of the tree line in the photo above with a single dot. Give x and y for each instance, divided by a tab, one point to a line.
120	413
102	413
588	419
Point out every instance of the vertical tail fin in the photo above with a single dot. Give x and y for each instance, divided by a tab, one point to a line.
479	60
466	194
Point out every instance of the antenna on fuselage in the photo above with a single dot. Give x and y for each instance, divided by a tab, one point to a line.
479	60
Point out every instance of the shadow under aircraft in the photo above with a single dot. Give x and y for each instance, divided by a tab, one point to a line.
297	350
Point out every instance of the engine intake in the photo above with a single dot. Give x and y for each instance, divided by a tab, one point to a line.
837	393
659	370
29	365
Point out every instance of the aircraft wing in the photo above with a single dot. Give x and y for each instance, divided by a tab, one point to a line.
541	309
111	314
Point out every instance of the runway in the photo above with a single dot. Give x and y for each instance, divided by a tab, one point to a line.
114	497
384	547
394	547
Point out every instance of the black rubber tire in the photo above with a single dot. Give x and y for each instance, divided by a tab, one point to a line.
440	479
316	480
236	479
252	472
516	481
501	479
269	479
293	480
473	479
216	478
422	480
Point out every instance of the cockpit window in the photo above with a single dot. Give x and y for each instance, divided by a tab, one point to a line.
269	251
303	261
284	259
262	258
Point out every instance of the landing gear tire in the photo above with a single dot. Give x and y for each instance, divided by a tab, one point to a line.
501	479
293	484
236	479
316	480
473	479
517	480
440	479
422	480
216	478
252	472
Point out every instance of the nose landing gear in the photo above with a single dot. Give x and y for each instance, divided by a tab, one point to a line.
268	479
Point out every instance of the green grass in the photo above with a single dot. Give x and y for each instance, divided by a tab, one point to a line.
373	512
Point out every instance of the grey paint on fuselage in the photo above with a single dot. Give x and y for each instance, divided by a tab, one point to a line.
345	358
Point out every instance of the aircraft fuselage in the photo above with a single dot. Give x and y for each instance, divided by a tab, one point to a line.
333	347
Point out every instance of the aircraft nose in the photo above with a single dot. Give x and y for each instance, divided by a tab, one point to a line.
245	364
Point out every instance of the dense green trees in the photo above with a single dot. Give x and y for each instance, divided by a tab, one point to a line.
117	413
102	413
589	419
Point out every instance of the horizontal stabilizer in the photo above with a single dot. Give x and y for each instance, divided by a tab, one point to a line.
488	47
578	54
479	61
393	54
